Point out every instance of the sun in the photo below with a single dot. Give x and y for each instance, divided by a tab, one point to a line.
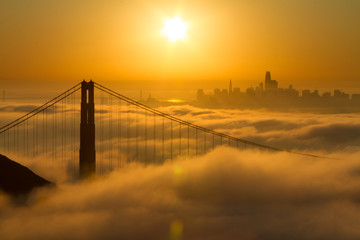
174	29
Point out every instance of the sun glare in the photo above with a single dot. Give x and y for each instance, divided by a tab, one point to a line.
174	29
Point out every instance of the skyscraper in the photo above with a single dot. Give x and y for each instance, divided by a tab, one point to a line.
270	84
267	77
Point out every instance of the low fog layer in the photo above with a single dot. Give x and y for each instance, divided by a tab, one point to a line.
226	194
291	131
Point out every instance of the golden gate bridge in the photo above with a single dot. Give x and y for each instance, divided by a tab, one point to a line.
74	132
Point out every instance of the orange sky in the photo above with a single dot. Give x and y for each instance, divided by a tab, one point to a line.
308	43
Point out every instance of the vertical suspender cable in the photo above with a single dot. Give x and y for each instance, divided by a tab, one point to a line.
145	137
55	132
137	133
65	130
204	142
101	131
188	140
33	135
213	141
14	139
73	111
163	139
43	132
8	141
22	139
196	141
179	139
46	131
171	141
119	138
128	132
154	150
110	133
26	138
62	131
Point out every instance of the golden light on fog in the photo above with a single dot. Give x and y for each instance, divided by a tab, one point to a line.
175	101
174	29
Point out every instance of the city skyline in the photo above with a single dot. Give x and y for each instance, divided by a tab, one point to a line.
273	84
269	94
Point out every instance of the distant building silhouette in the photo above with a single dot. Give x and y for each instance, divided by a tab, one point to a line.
356	98
200	94
230	88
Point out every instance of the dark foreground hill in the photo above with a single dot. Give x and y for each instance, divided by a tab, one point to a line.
16	179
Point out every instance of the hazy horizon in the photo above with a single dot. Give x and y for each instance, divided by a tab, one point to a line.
310	44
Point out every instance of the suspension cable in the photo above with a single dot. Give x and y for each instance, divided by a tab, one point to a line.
172	118
40	109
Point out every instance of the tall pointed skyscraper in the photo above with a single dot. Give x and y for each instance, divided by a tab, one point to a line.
270	84
267	81
267	77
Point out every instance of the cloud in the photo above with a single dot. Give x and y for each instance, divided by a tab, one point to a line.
335	133
226	194
291	131
273	124
20	108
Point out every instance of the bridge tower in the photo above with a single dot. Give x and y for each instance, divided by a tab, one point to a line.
87	165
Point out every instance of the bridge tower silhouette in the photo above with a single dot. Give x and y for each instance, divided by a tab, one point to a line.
87	156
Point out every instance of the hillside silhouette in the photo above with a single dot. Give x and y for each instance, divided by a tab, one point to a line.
16	179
